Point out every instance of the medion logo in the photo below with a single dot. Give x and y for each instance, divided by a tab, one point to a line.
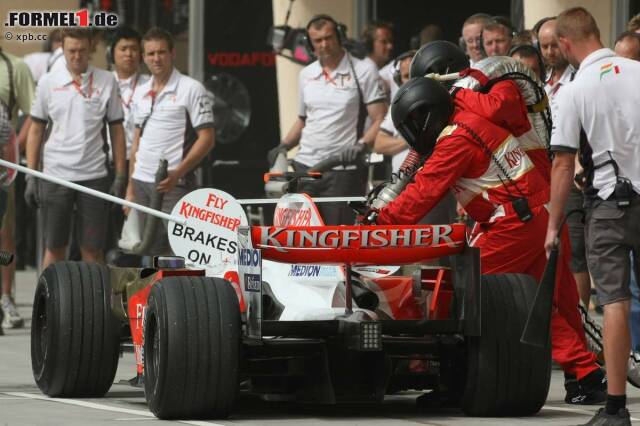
282	238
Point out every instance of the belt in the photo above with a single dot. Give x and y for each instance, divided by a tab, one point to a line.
506	209
634	196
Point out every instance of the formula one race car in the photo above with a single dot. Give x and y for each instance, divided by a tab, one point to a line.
301	312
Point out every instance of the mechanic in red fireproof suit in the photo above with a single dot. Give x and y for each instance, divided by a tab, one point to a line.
507	244
504	106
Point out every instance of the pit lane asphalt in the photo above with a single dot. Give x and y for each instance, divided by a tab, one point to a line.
21	403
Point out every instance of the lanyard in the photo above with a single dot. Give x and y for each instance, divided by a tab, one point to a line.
554	88
52	60
153	95
79	88
127	104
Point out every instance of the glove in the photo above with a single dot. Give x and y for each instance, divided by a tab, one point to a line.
32	192
350	154
369	217
273	153
119	186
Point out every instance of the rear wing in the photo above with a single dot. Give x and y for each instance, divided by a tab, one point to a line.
359	244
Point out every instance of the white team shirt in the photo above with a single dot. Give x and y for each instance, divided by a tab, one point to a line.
169	123
38	63
603	100
388	127
330	106
386	74
130	94
551	88
75	148
56	61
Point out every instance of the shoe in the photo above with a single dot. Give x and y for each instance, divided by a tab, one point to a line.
633	369
590	390
602	418
571	386
12	318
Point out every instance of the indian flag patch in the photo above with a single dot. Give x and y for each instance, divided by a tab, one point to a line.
607	68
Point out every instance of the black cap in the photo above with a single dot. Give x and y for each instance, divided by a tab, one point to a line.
440	57
420	111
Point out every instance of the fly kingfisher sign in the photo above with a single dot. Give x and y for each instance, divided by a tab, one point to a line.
208	239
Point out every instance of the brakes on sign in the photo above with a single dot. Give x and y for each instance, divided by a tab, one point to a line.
209	237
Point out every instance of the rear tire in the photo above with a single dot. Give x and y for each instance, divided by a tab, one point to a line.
192	348
505	377
74	334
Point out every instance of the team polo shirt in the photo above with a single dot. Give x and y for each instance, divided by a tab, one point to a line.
57	61
77	113
386	74
329	104
130	94
603	100
168	123
38	63
551	87
388	127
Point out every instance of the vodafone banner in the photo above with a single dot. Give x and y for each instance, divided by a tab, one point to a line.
209	237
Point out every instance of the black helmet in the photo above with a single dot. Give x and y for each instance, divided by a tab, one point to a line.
420	111
440	57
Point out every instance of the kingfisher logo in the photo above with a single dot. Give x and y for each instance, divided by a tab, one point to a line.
51	18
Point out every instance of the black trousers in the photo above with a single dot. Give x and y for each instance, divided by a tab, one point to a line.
335	183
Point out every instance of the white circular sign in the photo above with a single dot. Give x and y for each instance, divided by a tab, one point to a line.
209	238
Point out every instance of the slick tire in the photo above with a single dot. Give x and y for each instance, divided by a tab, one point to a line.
191	348
505	377
75	338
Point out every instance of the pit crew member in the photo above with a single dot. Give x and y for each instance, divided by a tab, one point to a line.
76	99
628	46
16	94
500	188
336	93
502	104
603	101
174	122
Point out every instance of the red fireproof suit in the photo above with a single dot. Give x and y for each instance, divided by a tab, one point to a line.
505	107
507	244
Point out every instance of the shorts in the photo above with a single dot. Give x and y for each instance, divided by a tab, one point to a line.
91	214
4	203
576	231
611	234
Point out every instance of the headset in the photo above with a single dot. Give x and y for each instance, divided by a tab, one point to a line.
119	34
531	49
108	54
536	29
397	77
341	30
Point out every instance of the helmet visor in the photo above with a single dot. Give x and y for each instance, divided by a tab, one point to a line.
414	126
